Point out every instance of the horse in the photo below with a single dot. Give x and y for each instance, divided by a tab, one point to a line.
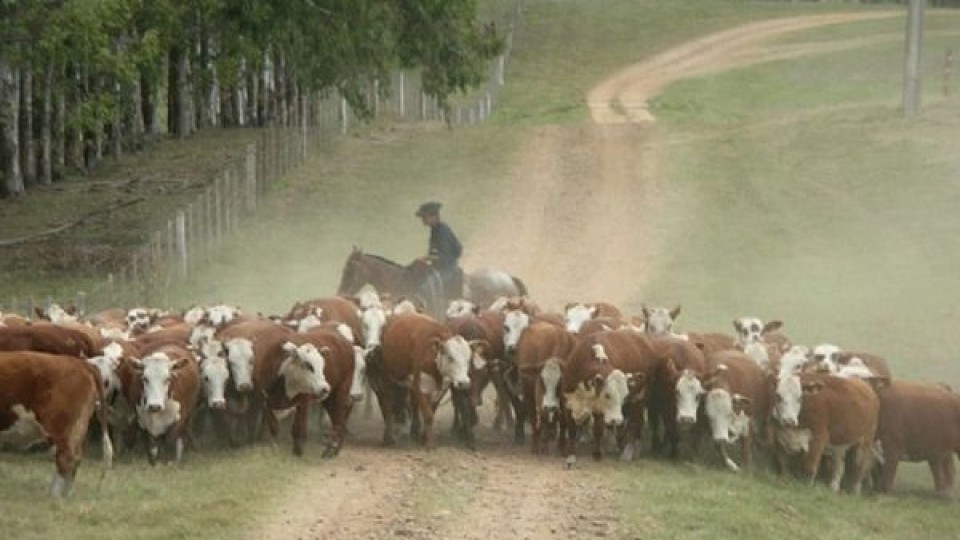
418	280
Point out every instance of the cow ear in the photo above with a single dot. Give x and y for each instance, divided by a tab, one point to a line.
436	343
476	310
479	346
290	347
39	311
646	311
324	351
593	312
598	382
180	363
812	388
742	403
879	383
637	380
737	326
675	312
567	307
137	364
71	310
771	326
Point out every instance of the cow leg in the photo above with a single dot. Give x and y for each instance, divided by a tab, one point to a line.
573	436
68	454
892	454
599	430
299	429
864	462
425	408
338	410
505	417
746	450
838	466
949	475
653	417
385	400
818	443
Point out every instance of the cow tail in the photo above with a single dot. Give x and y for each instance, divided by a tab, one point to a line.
521	286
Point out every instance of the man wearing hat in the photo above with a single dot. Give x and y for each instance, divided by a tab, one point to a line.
445	249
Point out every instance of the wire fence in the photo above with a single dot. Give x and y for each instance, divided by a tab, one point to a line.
191	237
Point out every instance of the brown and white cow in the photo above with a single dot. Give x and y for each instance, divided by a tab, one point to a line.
833	359
821	414
487	326
658	321
164	390
427	358
919	422
734	396
577	313
51	398
604	375
538	403
337	390
48	338
336	308
761	341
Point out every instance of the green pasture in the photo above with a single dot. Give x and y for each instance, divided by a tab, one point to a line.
796	192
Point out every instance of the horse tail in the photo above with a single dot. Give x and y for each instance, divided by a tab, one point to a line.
521	286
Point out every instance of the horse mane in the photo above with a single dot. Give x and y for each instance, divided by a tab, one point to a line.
384	260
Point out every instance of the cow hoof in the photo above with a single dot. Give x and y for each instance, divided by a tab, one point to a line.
331	452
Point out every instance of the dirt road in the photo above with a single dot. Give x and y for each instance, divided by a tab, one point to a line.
574	186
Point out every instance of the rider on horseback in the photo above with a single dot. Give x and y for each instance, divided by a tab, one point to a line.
445	250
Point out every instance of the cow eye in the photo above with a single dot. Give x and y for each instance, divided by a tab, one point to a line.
818	357
308	367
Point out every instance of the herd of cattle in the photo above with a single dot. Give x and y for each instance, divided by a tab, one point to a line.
144	376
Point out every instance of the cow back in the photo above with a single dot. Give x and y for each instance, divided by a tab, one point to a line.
739	374
541	341
407	346
921	420
847	409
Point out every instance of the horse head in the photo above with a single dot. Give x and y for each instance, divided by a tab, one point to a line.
354	275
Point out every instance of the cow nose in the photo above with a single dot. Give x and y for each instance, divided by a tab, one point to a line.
790	423
244	387
686	419
357	397
218	405
463	385
511	349
153	407
324	392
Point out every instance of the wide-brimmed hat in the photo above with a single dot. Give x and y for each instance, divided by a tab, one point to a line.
428	209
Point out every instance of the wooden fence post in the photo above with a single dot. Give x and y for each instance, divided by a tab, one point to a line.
343	116
403	97
181	241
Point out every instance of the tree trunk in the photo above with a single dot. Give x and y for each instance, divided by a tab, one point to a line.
28	151
74	137
46	128
184	79
179	111
116	129
134	123
10	123
253	95
59	131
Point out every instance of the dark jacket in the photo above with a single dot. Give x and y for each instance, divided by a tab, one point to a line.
444	245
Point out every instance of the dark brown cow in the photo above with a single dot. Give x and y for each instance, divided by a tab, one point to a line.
604	375
539	401
424	356
487	326
673	355
164	388
48	338
51	398
337	309
919	422
815	412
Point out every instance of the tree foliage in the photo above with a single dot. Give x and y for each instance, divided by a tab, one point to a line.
113	59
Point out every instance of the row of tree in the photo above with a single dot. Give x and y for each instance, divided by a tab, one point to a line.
81	79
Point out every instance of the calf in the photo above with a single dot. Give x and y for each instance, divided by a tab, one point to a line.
488	327
427	358
541	343
919	422
819	413
735	398
604	375
51	398
165	390
761	341
659	321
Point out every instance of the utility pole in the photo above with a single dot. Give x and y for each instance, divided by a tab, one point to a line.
911	76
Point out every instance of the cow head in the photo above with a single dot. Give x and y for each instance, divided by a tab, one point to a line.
453	359
826	357
612	393
222	314
157	371
200	334
514	323
659	321
139	320
793	361
107	365
240	359
215	374
302	370
790	391
461	308
689	392
359	374
751	330
195	315
575	315
729	414
373	320
550	377
307	323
